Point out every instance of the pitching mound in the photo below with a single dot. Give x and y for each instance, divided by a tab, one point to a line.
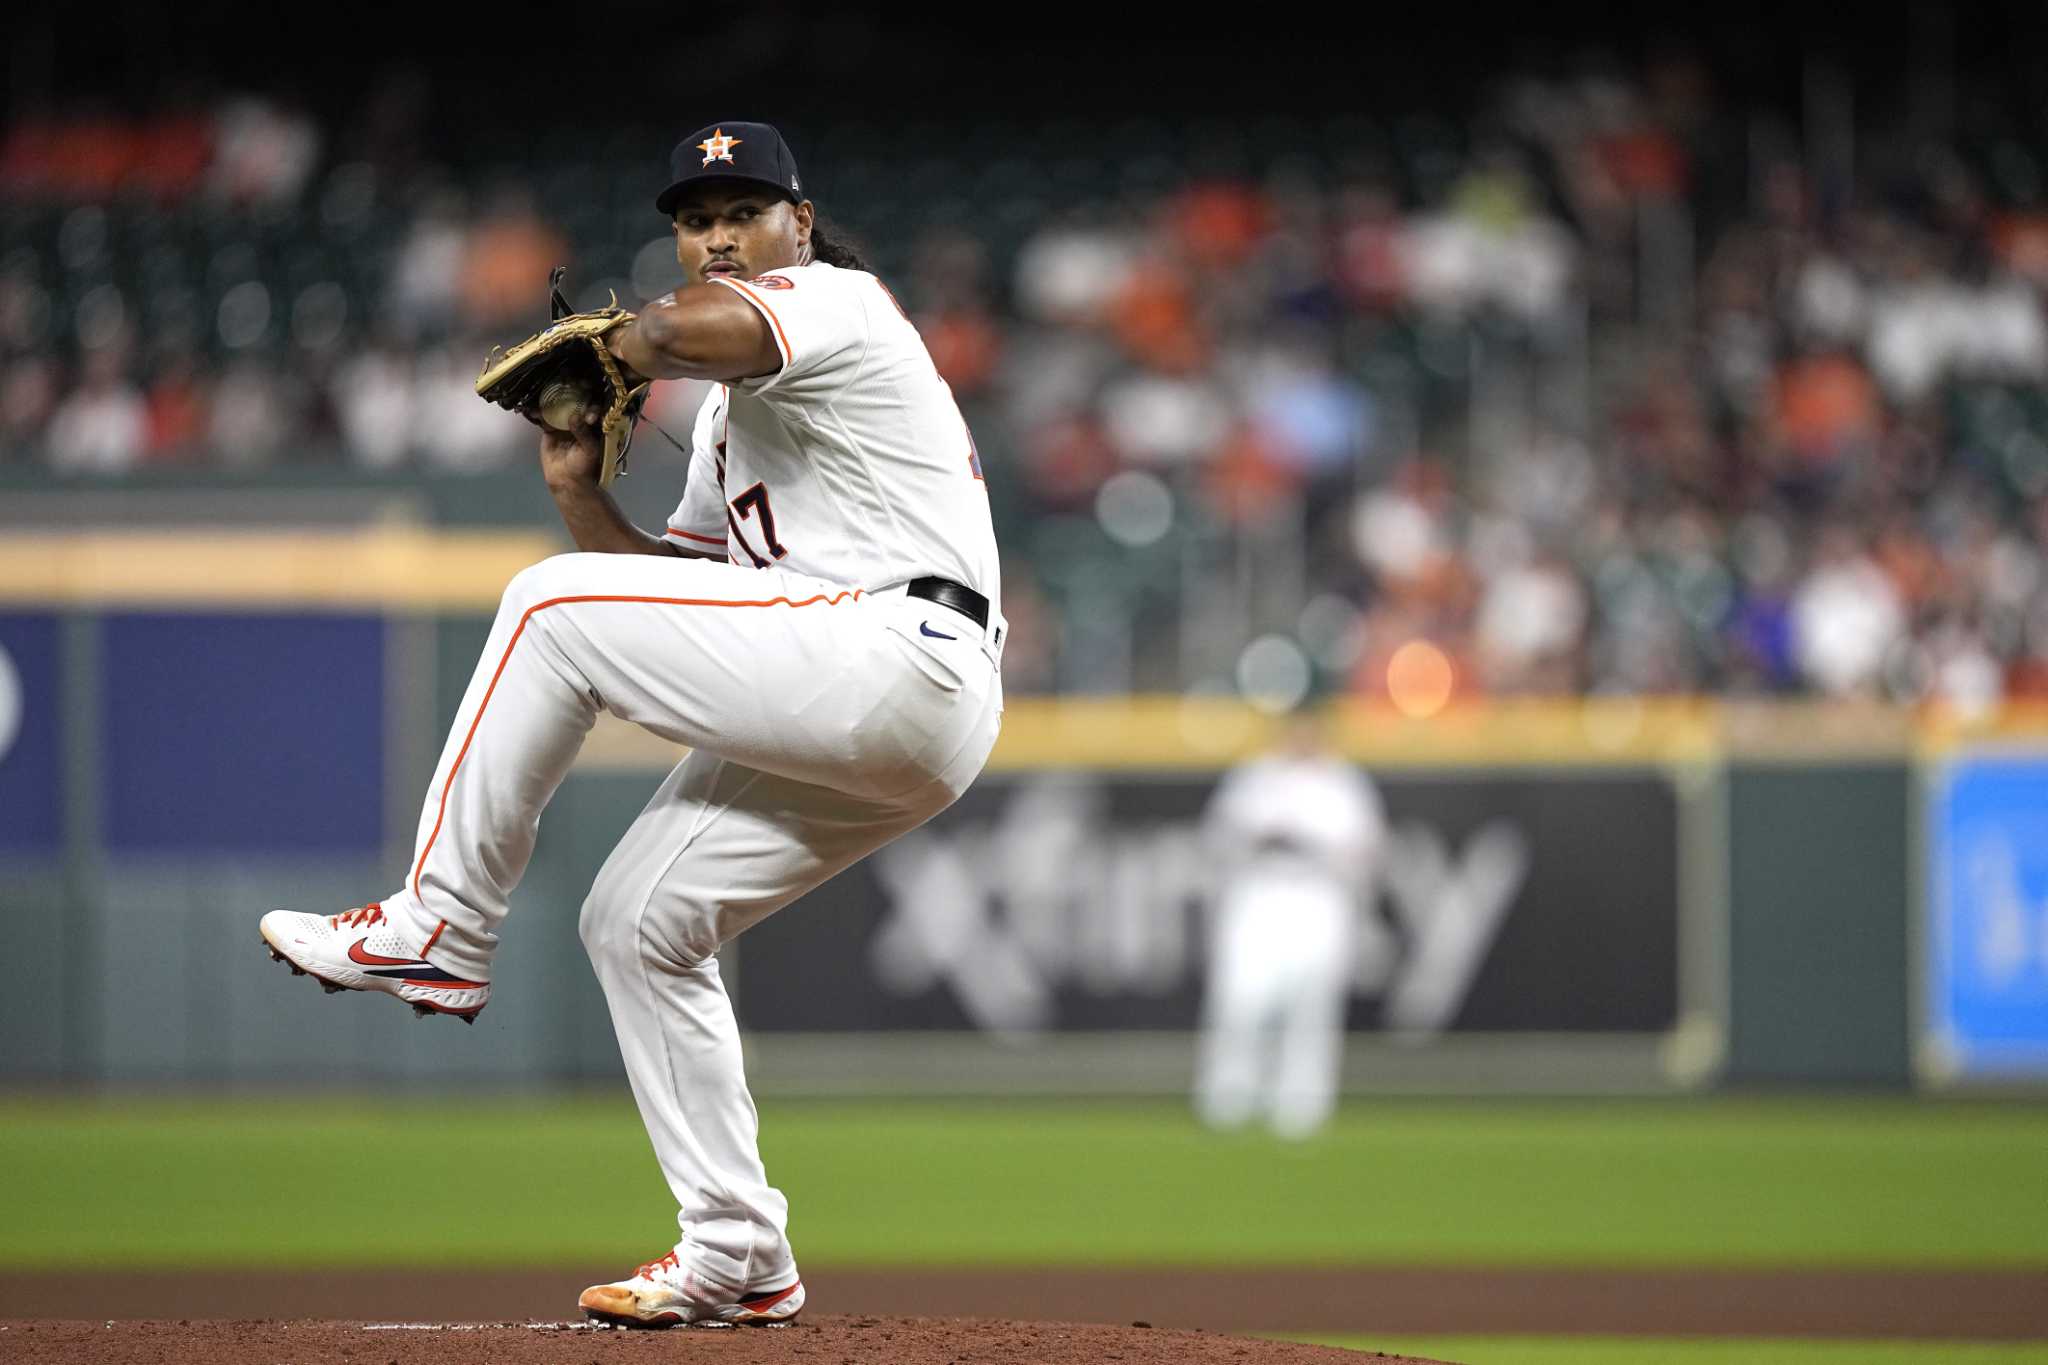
826	1339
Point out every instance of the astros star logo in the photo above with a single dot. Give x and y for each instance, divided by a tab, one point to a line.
718	147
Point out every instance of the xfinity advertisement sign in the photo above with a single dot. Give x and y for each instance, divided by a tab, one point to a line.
1083	901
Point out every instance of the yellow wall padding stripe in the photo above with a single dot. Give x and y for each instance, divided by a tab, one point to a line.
400	568
1178	733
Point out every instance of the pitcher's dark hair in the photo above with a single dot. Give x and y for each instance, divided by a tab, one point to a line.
830	244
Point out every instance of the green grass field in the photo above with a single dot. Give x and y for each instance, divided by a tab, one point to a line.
1597	1182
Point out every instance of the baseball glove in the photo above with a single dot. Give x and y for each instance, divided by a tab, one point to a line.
566	367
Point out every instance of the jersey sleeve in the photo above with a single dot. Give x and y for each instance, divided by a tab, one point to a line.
698	523
819	322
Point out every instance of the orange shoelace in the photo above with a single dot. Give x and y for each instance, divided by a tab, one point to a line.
667	1262
372	913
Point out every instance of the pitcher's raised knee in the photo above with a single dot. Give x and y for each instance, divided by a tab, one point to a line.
554	577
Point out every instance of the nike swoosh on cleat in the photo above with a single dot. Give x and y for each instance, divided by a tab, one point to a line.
363	957
926	628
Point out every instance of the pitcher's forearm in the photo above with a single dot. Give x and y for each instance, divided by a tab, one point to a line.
597	525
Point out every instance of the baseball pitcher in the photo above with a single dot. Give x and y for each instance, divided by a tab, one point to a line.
818	621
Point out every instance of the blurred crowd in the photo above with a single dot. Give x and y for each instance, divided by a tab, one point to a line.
1602	386
214	289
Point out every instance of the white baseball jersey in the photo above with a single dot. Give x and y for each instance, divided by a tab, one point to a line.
1290	820
852	462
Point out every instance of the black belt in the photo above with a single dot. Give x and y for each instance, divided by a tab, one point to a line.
957	596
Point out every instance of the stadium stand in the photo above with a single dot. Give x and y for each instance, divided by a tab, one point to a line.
1600	385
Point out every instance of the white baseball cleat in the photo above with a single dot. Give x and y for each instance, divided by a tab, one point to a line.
358	951
663	1294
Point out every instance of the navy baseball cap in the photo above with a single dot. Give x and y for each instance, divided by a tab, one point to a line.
731	151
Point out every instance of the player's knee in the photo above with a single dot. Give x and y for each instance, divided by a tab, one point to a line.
537	583
606	933
620	928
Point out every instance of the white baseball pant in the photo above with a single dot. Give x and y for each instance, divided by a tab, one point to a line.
824	722
1273	1016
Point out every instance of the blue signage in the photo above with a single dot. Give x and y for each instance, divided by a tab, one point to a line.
1987	940
31	744
245	734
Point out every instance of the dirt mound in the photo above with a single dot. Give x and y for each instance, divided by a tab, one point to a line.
826	1339
1974	1304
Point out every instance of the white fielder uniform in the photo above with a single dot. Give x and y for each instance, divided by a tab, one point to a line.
828	712
1297	840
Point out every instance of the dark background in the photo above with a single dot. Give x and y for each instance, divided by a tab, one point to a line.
636	60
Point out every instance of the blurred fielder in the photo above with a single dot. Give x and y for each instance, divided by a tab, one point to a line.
818	622
1296	835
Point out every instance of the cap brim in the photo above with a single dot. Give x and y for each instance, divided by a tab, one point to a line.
667	200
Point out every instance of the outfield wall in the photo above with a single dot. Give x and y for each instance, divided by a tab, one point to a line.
1603	895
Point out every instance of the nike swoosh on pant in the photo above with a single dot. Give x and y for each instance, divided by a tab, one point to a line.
926	628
